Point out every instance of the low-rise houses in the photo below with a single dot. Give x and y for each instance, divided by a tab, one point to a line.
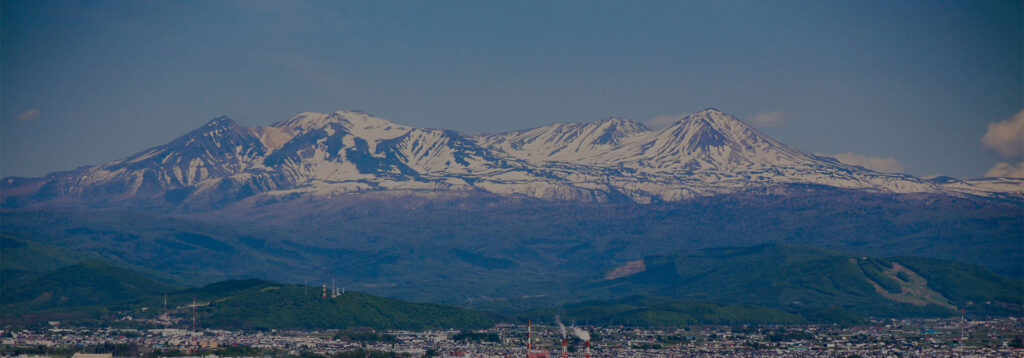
913	338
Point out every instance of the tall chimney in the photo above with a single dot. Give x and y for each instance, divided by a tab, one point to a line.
529	336
588	349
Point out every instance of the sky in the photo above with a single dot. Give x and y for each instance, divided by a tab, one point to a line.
906	86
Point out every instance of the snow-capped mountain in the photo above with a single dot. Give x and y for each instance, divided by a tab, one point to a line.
324	154
564	141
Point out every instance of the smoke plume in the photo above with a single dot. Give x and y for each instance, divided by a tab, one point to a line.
560	326
581	333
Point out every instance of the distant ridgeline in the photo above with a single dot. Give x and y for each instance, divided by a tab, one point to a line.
760	284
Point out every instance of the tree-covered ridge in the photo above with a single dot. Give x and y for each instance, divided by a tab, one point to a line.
20	258
273	305
90	282
798	278
967	285
96	290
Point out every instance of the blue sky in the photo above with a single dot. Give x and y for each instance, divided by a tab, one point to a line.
914	85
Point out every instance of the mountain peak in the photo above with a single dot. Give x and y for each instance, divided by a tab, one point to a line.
707	116
625	123
221	121
714	116
215	127
616	120
356	122
712	120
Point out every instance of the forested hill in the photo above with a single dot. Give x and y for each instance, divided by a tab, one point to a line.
797	278
95	290
265	305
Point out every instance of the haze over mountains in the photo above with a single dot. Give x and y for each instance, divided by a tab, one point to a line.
612	160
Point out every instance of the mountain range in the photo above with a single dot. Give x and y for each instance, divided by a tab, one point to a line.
509	220
328	154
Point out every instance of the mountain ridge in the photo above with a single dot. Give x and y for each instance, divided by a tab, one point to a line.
325	154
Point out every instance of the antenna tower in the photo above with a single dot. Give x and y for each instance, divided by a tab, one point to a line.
963	322
193	313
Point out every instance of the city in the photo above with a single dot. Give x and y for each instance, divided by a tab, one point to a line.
905	338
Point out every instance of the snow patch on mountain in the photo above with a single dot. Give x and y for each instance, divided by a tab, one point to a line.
563	141
1013	187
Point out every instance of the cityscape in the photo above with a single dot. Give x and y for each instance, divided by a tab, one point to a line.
880	338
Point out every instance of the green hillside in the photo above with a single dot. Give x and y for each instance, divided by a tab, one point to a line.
91	282
253	304
94	290
966	285
797	278
20	258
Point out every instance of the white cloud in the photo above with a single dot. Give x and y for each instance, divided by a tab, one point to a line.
1006	138
660	122
878	164
1003	169
770	119
29	114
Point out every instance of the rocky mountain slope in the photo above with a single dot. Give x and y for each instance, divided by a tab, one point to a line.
326	154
